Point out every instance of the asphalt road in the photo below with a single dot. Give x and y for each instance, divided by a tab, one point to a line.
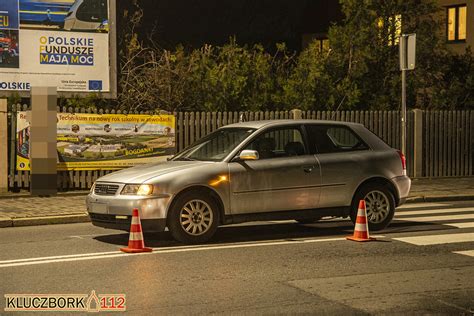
422	264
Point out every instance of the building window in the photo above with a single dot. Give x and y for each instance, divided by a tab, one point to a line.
323	44
456	23
320	40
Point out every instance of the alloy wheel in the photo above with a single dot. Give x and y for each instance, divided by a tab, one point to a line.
196	217
378	206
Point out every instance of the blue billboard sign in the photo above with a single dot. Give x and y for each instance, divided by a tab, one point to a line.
9	18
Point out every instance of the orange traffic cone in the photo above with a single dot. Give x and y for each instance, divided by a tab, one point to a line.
135	241
361	229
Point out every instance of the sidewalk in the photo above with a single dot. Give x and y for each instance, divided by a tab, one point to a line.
19	209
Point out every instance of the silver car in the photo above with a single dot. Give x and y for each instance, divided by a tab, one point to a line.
262	170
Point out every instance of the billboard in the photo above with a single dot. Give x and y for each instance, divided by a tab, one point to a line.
63	43
103	141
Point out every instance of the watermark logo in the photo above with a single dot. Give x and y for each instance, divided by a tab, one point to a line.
65	302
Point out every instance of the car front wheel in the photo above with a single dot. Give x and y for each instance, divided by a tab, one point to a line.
193	218
380	205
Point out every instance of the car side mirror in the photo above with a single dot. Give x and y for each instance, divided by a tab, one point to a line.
249	155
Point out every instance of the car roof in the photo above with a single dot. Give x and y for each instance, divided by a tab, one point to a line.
271	123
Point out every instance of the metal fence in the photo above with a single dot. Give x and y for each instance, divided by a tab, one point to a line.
441	141
448	143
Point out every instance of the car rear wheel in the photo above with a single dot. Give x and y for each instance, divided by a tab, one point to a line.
193	218
380	205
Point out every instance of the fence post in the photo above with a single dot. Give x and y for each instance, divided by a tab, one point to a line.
3	145
418	143
297	114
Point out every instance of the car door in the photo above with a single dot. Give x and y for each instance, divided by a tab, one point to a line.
339	151
285	177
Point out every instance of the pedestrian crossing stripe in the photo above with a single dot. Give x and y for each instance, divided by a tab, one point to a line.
435	211
436	218
419	205
437	239
469	253
461	225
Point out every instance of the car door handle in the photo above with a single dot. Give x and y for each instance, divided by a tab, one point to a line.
308	169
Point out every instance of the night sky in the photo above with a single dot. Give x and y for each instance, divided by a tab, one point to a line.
196	22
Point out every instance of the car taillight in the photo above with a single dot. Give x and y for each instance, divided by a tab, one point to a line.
404	161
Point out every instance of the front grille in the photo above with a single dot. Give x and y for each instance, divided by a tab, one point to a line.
105	189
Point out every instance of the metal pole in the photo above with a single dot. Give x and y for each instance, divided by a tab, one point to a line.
404	113
113	48
3	145
13	148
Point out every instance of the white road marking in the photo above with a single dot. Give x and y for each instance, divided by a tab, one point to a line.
420	205
469	253
436	218
455	306
435	211
461	225
114	254
58	257
437	239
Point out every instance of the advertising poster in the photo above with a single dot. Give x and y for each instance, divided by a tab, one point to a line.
63	43
104	142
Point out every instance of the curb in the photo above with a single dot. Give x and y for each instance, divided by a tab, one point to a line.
440	198
6	222
45	220
28	195
84	218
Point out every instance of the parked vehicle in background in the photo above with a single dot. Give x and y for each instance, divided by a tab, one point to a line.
87	15
262	170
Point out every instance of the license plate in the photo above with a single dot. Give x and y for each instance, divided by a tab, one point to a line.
100	208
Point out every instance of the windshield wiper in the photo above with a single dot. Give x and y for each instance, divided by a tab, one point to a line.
184	159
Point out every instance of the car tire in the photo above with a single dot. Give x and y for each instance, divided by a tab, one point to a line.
193	218
380	205
308	220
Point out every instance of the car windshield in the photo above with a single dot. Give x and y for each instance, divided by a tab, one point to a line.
216	146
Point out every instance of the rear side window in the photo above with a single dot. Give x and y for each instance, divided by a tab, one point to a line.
333	139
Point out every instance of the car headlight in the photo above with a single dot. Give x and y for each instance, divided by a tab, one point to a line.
137	189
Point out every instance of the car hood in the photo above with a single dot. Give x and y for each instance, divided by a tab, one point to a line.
142	173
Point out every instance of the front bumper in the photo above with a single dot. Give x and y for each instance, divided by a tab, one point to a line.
115	210
123	222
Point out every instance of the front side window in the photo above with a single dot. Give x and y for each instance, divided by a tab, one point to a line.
216	146
333	139
456	23
282	142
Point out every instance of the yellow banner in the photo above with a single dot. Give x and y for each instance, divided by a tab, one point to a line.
104	142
